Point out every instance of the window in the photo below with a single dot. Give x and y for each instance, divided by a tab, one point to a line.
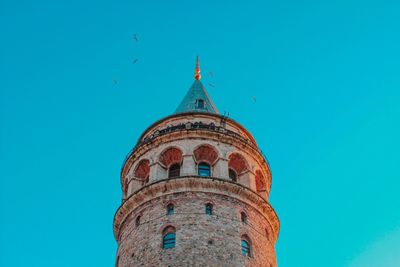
169	238
170	209
174	170
137	222
204	169
246	248
232	175
243	217
169	241
200	104
209	209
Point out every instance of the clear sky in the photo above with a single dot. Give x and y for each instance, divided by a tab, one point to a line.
325	76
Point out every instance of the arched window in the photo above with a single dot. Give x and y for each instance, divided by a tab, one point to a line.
174	170
171	158
232	175
209	209
206	153
237	163
170	209
243	217
204	169
246	248
168	238
137	222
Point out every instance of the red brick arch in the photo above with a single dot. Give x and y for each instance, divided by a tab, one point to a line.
206	153
142	170
261	183
170	156
238	163
168	229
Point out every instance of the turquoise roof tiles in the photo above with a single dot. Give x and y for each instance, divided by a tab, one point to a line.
197	100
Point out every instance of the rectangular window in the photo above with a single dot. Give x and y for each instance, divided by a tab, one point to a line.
209	210
170	209
245	248
200	104
204	170
169	241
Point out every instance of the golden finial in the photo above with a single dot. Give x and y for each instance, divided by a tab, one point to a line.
197	74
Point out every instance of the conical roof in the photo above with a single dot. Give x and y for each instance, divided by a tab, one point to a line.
197	100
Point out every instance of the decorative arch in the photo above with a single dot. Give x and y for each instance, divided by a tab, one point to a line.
170	156
237	163
206	153
261	183
168	229
142	170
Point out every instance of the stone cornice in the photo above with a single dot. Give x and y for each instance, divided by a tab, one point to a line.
194	115
196	184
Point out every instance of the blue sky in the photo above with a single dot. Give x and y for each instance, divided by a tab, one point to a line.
72	104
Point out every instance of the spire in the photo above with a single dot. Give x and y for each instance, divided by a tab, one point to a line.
197	74
197	98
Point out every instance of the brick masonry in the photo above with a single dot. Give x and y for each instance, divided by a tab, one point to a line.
201	239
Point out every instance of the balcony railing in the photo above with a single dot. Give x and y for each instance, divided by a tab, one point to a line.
192	126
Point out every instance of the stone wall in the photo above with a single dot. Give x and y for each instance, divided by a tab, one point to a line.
201	239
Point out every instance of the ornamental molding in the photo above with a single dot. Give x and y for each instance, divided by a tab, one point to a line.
196	184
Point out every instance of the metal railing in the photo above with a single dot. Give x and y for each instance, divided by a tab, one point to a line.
192	126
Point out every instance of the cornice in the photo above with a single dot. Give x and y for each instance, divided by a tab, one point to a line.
194	115
196	184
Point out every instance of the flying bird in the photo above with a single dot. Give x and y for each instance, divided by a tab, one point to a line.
135	60
135	37
115	82
255	99
210	84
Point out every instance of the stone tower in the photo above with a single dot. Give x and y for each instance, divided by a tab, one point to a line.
195	193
